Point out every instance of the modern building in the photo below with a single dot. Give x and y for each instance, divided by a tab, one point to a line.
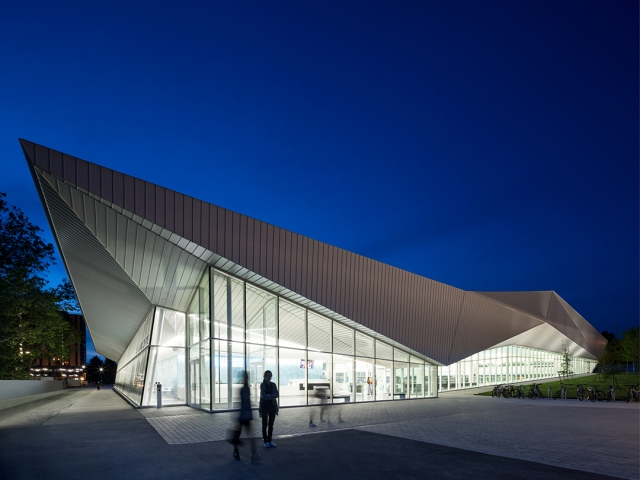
189	294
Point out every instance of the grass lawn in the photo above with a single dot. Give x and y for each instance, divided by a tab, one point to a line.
622	380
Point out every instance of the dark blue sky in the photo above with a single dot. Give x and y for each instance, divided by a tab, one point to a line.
486	145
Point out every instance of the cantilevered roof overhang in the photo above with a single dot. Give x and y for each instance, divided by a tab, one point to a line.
128	244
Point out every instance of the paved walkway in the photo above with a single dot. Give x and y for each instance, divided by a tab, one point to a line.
89	433
597	437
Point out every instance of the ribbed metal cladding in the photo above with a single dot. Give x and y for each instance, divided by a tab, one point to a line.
550	307
560	319
534	303
484	323
591	335
436	320
111	302
164	272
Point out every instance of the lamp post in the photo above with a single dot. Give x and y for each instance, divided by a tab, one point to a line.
101	375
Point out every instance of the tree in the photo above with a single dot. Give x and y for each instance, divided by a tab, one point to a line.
67	300
610	361
95	369
31	325
567	360
110	369
630	347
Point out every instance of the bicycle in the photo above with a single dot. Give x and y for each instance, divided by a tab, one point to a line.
581	393
562	393
632	393
510	391
497	391
611	396
534	391
595	394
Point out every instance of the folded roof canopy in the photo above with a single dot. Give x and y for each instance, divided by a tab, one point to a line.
128	244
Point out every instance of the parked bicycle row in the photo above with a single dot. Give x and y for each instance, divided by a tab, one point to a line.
583	392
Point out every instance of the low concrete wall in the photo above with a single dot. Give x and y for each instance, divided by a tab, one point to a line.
23	388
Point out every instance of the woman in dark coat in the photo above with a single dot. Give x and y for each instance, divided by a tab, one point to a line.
268	408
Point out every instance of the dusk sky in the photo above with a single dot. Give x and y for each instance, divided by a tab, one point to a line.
488	145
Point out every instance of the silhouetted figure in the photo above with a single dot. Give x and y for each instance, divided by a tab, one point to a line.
244	421
268	408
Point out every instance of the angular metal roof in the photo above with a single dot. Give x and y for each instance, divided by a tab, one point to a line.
128	244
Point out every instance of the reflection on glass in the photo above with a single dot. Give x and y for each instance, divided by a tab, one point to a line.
228	365
383	383
319	377
130	379
342	339
168	328
237	310
383	351
219	305
401	377
167	366
292	382
193	316
342	379
205	375
400	356
319	332
261	316
260	358
365	380
305	351
292	325
203	295
364	345
416	380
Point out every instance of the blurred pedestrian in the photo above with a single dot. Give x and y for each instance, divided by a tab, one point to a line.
244	421
268	408
322	394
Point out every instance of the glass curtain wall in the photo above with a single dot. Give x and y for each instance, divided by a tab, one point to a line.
167	359
130	377
231	326
310	356
507	364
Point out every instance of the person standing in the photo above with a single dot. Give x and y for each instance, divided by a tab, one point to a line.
244	421
268	408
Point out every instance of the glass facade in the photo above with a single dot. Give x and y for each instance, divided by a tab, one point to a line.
198	356
507	364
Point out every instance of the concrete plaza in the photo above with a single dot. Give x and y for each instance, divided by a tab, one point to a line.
86	433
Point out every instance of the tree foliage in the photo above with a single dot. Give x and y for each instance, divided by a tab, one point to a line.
567	360
94	366
619	353
630	346
31	325
103	371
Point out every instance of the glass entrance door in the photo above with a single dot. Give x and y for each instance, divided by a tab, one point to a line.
194	380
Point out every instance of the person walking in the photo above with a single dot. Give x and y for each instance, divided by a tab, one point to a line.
268	408
322	394
244	421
